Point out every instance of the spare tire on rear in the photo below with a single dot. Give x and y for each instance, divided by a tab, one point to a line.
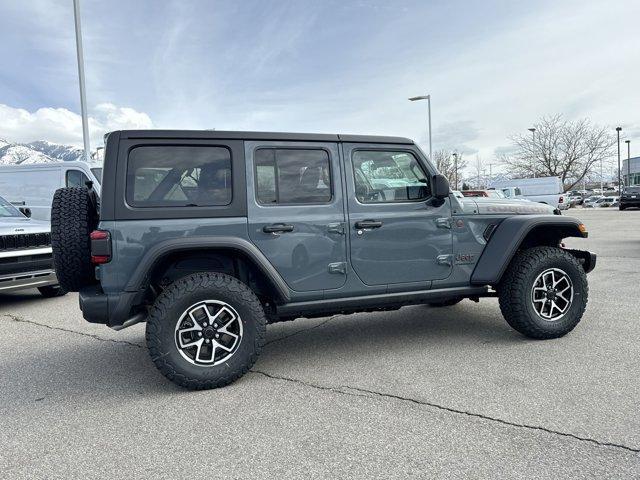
73	218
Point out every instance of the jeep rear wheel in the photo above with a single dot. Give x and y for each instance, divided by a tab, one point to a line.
205	330
543	293
73	218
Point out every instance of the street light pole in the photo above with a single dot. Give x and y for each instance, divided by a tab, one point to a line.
533	145
428	99
83	96
455	168
619	129
628	142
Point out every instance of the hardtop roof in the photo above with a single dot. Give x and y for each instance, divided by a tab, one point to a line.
272	136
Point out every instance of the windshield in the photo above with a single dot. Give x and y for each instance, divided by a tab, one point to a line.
634	189
8	210
496	193
97	172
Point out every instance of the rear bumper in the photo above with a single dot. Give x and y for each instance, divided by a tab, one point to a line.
111	310
24	280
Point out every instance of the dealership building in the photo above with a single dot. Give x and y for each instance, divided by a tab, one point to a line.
631	168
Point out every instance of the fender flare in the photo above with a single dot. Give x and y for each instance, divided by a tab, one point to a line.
507	238
159	251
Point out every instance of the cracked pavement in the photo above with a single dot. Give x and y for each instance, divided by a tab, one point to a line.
419	392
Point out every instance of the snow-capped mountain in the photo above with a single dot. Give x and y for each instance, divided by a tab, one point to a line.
36	152
57	151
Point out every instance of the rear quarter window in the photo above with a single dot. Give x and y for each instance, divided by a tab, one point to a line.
179	176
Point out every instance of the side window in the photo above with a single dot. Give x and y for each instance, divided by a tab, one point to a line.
76	178
179	176
292	176
386	177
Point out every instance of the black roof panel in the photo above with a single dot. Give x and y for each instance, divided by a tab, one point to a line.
274	136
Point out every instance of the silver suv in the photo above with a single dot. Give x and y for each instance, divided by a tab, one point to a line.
25	253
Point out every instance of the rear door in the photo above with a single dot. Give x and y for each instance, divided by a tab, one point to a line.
398	232
296	211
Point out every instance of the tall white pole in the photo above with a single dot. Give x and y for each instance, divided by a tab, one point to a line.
83	95
430	146
428	99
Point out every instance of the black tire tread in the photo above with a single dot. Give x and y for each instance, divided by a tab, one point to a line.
512	298
51	291
189	285
73	218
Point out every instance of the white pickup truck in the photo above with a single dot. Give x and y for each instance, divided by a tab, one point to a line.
548	190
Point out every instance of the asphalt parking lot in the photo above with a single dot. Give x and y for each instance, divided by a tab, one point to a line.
418	392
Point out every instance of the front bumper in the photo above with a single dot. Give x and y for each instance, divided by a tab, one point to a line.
25	280
24	268
586	259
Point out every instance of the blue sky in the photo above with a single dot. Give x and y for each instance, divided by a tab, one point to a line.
492	67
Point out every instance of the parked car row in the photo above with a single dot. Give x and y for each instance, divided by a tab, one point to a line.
25	252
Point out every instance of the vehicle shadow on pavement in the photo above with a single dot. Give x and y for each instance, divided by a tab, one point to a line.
12	299
418	324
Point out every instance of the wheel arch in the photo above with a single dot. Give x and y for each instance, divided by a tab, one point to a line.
216	254
521	232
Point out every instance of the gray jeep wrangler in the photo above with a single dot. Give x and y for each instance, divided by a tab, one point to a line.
207	236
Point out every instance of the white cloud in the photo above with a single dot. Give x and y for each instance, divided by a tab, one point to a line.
59	125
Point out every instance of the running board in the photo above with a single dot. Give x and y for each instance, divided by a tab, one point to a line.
366	302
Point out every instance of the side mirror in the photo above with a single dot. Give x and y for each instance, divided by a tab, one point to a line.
25	211
440	187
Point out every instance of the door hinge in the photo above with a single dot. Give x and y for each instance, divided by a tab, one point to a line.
445	259
337	227
338	267
443	222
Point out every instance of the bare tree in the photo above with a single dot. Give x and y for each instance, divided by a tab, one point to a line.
446	165
477	173
560	148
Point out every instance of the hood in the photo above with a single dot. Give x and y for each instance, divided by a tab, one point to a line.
18	225
500	206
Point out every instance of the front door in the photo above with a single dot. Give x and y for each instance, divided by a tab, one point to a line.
398	232
296	211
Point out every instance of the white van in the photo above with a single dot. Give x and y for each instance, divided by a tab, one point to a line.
547	190
33	185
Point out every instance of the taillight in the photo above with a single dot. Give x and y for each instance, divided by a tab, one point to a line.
561	199
100	247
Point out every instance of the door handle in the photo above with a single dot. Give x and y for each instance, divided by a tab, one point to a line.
368	224
277	228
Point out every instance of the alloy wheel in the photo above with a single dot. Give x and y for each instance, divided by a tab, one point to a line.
208	333
552	294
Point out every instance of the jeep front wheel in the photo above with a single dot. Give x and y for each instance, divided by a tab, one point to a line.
543	293
205	330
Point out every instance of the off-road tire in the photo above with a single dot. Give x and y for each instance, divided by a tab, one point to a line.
175	300
50	291
445	303
73	218
517	283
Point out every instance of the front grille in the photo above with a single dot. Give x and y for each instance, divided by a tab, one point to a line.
26	263
25	240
